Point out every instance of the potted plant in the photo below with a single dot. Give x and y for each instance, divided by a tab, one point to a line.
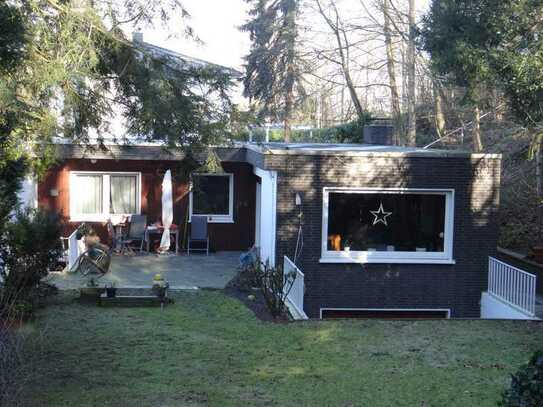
111	291
160	286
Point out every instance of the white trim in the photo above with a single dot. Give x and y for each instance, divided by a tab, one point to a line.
217	218
447	310
268	216
445	257
257	214
105	215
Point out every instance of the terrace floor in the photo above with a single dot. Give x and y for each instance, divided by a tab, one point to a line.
181	271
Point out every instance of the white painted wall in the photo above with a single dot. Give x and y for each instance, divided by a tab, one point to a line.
268	214
493	308
28	195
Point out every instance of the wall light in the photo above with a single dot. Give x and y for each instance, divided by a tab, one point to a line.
53	192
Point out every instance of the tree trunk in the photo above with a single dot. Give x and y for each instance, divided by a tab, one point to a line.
539	184
343	51
477	143
411	104
439	114
288	113
391	67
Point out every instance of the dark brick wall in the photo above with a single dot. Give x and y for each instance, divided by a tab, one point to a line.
458	286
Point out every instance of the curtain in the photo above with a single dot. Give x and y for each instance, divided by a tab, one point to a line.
88	194
123	194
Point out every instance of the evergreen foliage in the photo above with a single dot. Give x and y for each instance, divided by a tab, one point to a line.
274	69
526	385
491	42
67	69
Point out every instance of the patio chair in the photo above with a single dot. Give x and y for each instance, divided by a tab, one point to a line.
136	233
96	260
198	234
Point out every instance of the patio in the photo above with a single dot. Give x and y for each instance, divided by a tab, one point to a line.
182	271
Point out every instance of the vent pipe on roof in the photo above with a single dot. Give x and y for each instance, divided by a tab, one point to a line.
137	36
381	135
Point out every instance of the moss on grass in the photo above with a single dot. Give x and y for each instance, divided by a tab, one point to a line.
208	349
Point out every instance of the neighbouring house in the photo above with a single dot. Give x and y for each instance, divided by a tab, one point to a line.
375	230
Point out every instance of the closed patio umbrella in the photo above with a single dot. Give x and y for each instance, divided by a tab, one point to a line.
167	211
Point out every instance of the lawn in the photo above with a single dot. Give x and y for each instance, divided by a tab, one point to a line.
209	349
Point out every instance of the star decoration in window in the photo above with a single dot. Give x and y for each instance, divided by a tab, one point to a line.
380	216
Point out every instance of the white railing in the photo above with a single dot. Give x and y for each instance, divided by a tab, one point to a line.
295	297
512	285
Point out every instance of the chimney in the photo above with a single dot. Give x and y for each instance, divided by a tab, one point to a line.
137	36
381	135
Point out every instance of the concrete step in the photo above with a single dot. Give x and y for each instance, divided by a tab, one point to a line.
539	306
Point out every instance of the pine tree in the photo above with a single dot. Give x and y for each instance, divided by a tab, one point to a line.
274	70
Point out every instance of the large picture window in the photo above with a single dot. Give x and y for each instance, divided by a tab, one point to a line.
98	196
212	196
387	225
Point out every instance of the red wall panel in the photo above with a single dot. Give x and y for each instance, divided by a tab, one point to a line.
227	236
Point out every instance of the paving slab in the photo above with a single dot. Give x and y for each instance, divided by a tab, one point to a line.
181	271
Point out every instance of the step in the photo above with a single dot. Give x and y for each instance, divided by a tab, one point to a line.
132	301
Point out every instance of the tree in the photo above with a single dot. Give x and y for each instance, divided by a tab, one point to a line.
455	35
391	68
274	69
493	43
339	31
411	78
75	67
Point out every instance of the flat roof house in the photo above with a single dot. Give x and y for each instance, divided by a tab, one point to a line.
375	230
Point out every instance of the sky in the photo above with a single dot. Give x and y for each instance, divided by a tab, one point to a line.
216	23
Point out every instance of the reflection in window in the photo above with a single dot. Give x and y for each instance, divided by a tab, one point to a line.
88	194
211	194
391	222
123	194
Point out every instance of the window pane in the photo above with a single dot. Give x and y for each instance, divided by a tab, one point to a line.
386	222
211	195
123	194
88	194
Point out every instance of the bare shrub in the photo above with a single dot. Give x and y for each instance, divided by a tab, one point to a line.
275	285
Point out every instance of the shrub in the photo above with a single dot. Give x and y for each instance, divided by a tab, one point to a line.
526	385
275	286
30	247
18	349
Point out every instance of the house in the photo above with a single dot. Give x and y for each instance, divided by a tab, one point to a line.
372	230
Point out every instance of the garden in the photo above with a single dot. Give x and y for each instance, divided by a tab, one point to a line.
210	349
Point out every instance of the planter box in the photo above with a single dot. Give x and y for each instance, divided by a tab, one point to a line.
90	294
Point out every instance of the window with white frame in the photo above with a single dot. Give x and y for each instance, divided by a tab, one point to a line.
387	225
212	195
98	196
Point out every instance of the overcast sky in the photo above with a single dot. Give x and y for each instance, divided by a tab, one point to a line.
216	22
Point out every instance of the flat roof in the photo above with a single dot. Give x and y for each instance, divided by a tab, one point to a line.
358	150
236	151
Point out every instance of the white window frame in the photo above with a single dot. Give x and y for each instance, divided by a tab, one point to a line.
106	190
445	257
211	217
447	310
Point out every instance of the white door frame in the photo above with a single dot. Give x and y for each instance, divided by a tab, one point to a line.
268	214
257	214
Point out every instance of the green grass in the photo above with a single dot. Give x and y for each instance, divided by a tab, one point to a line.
208	349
